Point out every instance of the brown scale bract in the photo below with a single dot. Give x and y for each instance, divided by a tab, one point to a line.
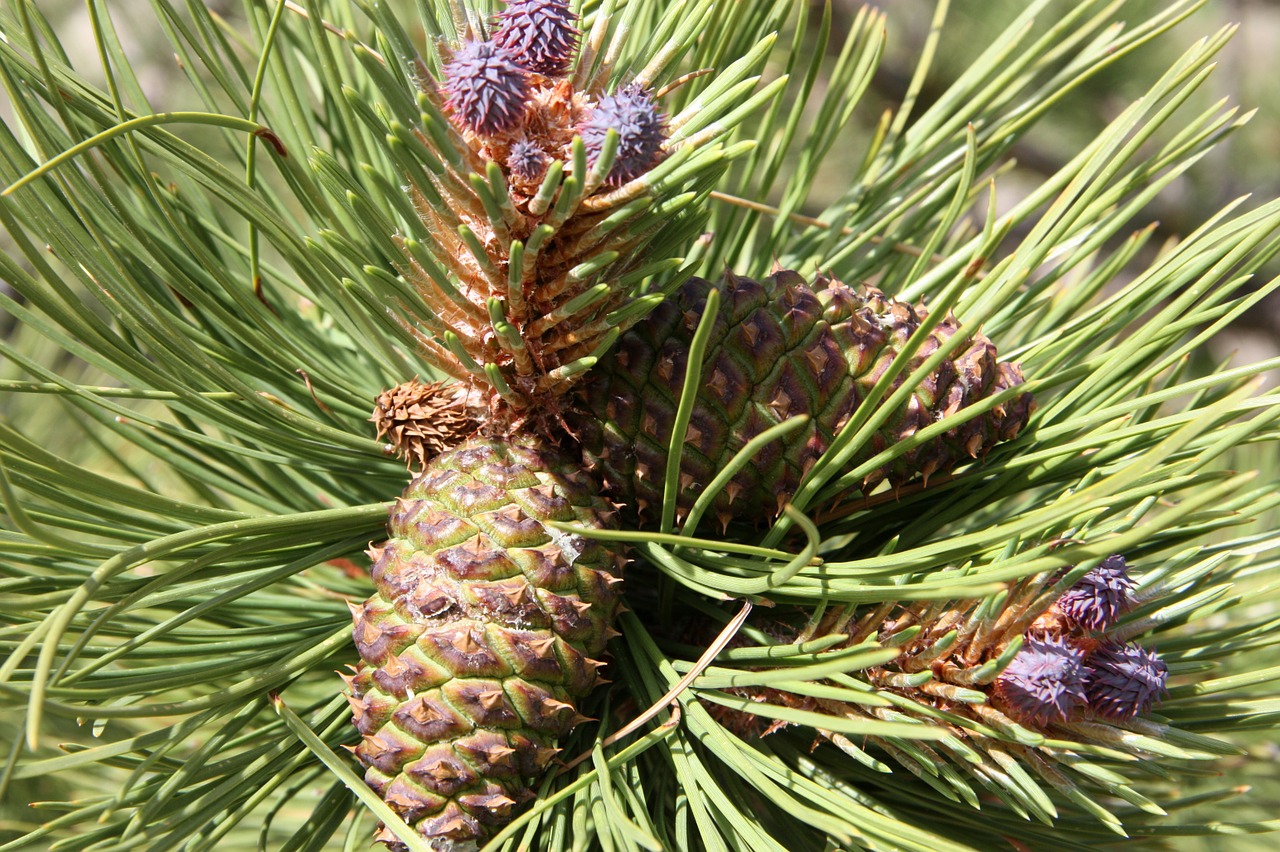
420	421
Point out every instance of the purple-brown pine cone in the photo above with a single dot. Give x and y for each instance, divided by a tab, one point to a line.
1044	683
1125	680
527	161
781	347
484	634
487	91
633	114
1099	598
539	34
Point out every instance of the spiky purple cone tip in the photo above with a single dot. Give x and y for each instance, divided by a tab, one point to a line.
487	92
1125	681
539	34
527	161
1099	598
633	113
1044	682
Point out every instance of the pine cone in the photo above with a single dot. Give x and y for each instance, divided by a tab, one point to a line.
781	347
420	421
484	633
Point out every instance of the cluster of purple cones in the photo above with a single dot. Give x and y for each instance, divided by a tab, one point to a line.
1077	670
488	87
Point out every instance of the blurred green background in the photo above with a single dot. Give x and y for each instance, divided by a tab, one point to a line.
1247	163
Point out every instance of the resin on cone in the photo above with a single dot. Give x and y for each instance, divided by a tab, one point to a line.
782	347
485	632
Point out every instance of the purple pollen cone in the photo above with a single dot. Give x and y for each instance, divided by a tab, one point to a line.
634	115
527	161
487	91
1044	682
1099	598
1125	681
539	34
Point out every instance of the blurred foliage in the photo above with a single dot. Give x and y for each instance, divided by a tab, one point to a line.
1246	164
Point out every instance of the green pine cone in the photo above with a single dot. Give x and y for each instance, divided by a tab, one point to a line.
482	637
782	347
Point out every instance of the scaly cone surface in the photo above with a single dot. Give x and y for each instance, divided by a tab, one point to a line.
782	347
482	637
487	624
